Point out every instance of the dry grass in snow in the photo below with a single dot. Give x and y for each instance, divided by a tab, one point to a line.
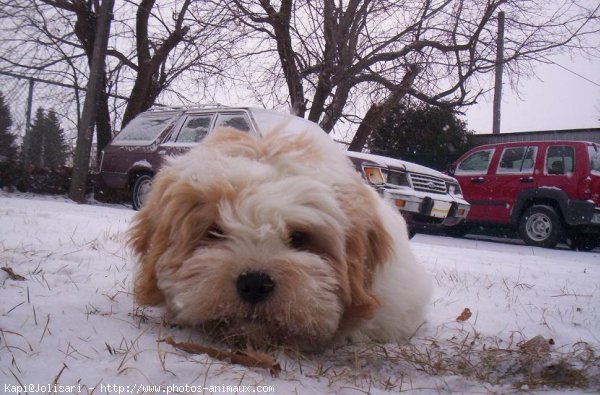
67	319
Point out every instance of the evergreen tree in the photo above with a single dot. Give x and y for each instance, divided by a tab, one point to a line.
423	134
57	143
32	144
47	145
8	147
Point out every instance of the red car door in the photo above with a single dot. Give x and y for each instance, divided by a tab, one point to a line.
472	172
507	177
560	160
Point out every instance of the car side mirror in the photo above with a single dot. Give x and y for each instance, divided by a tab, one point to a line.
451	169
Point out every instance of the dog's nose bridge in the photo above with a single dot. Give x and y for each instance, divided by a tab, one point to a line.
254	287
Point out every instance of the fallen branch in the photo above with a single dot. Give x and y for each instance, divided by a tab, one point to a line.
248	358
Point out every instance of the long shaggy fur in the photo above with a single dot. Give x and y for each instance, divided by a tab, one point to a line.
233	205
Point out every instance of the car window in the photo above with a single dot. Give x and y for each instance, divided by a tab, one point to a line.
239	121
559	159
194	129
517	160
594	154
146	128
476	163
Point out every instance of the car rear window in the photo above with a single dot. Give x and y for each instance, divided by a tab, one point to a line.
517	160
145	128
239	121
560	159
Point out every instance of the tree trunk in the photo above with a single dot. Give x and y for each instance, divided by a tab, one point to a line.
148	83
375	116
280	21
372	120
81	161
103	127
138	97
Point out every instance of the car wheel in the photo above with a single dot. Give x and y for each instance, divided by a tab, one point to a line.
140	189
583	242
541	226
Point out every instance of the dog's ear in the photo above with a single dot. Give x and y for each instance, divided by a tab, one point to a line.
170	226
368	245
147	242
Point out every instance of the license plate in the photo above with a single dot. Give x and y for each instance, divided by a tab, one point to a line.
440	209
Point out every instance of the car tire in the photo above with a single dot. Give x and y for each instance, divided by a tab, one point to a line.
582	242
139	190
541	226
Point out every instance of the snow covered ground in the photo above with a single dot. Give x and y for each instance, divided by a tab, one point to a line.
69	324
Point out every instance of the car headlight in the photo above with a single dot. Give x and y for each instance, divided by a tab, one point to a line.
453	188
398	178
375	175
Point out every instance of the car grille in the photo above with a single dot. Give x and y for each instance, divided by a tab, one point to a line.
425	183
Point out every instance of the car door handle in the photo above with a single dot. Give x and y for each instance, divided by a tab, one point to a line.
526	180
477	180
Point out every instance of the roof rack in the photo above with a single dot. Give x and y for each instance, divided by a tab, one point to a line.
162	107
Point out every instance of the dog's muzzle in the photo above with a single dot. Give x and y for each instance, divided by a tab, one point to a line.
254	287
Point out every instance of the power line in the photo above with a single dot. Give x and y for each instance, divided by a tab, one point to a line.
61	84
573	72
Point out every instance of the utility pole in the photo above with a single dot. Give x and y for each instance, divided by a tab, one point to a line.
499	69
81	162
27	137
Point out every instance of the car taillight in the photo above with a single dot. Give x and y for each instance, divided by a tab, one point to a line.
585	188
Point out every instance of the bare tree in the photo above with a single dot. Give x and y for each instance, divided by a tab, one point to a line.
96	82
154	45
357	59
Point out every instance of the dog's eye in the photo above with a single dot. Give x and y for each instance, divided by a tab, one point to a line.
298	239
214	232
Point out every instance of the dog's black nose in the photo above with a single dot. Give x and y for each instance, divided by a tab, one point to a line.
254	287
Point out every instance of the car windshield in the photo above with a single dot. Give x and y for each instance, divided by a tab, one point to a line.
145	128
477	162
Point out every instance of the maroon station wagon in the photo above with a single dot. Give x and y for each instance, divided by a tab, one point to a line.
548	190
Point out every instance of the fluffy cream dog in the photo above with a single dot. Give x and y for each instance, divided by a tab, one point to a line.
276	240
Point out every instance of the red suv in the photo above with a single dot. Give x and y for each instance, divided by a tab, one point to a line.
548	190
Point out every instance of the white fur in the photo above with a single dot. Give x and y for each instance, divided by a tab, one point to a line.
261	195
401	287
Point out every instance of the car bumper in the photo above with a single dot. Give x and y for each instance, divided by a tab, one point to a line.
583	216
427	208
582	212
596	217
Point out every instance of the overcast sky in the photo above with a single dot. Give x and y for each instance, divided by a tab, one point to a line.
554	99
